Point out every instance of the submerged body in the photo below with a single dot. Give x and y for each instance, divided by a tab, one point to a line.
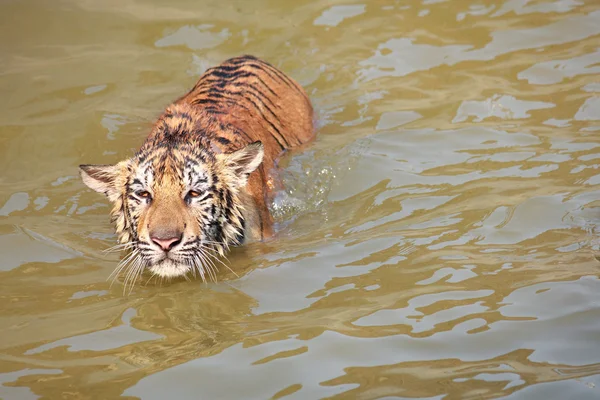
202	180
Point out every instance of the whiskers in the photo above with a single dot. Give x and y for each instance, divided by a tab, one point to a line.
205	260
197	258
133	266
119	247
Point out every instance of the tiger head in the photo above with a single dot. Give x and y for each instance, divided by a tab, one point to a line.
176	204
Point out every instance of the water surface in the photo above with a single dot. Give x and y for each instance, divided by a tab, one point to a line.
437	240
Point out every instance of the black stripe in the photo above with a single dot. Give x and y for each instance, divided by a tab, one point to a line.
207	196
237	73
255	88
263	65
220	92
223	140
257	77
267	120
240	237
283	77
219	73
215	102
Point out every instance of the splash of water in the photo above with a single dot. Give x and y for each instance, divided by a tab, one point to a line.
309	178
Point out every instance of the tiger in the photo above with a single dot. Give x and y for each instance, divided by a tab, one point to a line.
202	180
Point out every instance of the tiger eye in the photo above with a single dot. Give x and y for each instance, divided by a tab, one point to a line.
144	194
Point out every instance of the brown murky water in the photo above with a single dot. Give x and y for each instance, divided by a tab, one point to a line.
438	240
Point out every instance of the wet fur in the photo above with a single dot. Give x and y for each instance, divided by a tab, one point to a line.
221	140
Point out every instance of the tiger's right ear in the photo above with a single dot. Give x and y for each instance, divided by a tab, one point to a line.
102	179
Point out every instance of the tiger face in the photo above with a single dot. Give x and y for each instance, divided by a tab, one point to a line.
176	206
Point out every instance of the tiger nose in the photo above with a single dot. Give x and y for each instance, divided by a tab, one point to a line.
167	243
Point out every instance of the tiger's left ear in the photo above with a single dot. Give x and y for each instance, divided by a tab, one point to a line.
243	162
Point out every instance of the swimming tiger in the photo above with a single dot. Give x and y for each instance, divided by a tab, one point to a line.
202	180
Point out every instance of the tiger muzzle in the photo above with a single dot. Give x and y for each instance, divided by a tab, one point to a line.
166	239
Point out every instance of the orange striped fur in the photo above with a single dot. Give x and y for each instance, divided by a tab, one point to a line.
203	178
